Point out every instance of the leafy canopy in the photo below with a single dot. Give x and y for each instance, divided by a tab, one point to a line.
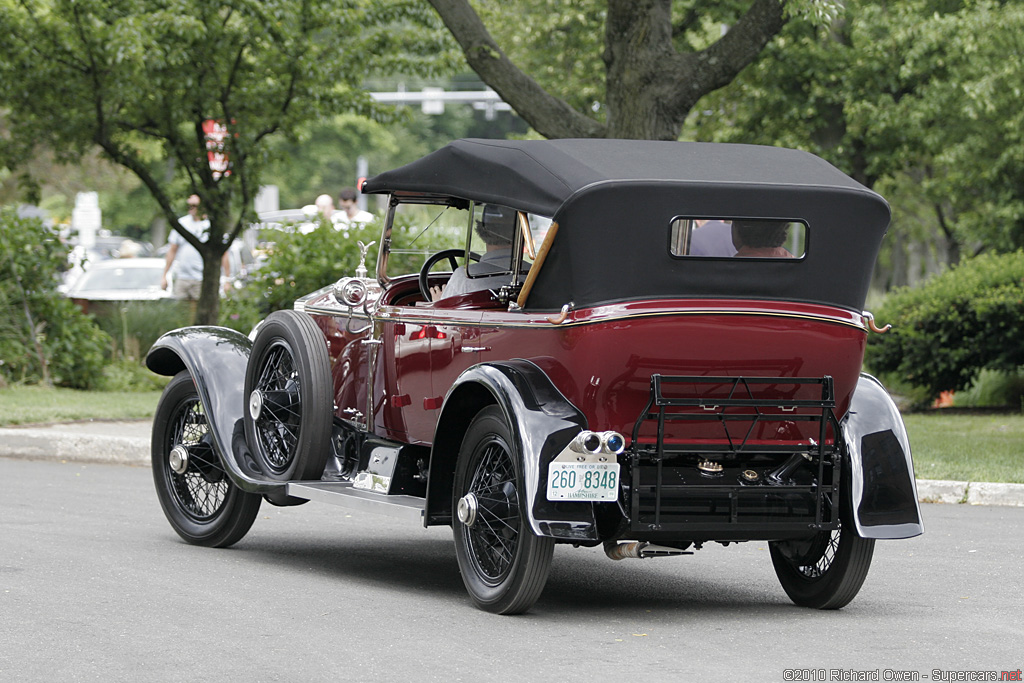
139	78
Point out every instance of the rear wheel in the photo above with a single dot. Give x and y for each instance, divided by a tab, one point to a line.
825	571
198	499
503	563
288	394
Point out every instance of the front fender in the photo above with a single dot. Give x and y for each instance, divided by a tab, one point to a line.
881	472
542	421
216	358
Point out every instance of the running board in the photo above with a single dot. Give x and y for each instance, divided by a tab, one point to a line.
342	493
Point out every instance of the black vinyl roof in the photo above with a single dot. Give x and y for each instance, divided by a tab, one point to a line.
614	201
541	175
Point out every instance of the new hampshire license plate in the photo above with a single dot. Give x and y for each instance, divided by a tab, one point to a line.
583	481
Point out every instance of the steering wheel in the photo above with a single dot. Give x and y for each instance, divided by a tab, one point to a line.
434	259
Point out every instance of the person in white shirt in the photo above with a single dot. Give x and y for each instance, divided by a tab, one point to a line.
186	259
350	212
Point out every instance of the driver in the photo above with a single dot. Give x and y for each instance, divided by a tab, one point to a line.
496	228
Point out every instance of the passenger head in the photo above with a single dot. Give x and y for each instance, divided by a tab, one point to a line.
497	225
759	233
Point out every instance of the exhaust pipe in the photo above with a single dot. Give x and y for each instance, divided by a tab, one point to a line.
639	550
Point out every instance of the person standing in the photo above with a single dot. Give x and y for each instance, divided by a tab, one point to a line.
186	259
350	212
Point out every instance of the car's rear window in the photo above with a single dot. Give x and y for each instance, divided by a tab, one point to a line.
737	238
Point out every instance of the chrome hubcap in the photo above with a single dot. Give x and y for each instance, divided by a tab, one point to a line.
255	404
177	459
467	509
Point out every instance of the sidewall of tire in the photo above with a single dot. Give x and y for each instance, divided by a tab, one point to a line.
528	574
309	353
840	583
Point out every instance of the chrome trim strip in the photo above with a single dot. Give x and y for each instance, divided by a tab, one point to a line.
541	320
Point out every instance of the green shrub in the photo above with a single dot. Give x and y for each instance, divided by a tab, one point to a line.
41	332
993	389
133	326
129	375
963	321
298	264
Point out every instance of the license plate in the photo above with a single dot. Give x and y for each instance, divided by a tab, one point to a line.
583	481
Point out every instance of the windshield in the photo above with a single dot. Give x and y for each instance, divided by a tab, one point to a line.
487	230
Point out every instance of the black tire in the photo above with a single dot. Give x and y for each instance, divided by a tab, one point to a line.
197	497
288	398
825	571
503	563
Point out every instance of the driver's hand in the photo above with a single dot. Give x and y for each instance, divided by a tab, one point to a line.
436	292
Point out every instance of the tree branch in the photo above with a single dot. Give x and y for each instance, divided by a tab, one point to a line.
717	65
549	115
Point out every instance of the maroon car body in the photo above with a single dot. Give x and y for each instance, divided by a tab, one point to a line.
620	387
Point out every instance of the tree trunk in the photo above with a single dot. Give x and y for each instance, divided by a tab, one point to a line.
650	87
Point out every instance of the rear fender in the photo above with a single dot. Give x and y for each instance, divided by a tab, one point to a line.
542	421
881	472
216	358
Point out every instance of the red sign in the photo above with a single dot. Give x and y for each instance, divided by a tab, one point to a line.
216	149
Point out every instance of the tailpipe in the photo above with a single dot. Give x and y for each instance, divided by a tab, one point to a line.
639	550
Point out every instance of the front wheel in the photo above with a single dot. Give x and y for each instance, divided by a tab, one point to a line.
198	499
825	571
503	563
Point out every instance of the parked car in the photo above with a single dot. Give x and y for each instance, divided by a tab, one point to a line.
603	384
118	280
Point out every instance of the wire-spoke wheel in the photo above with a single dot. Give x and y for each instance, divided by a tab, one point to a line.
198	499
503	563
288	398
826	570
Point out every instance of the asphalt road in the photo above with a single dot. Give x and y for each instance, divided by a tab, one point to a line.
95	585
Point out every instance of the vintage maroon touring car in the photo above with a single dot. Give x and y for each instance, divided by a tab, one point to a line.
652	346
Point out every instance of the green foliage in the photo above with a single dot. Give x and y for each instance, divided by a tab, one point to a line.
993	389
139	78
968	319
42	334
133	326
128	375
298	264
927	89
242	309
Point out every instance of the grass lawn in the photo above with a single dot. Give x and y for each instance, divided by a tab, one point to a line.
36	404
967	447
962	447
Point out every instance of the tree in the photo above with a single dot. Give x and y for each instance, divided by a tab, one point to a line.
146	80
659	57
919	99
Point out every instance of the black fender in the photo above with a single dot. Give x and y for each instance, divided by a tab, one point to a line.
882	488
542	422
216	358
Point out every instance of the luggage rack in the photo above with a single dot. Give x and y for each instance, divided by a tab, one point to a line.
681	499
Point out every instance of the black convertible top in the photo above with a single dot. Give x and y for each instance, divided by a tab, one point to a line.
615	199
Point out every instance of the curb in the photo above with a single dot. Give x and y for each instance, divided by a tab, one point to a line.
128	443
970	492
114	442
